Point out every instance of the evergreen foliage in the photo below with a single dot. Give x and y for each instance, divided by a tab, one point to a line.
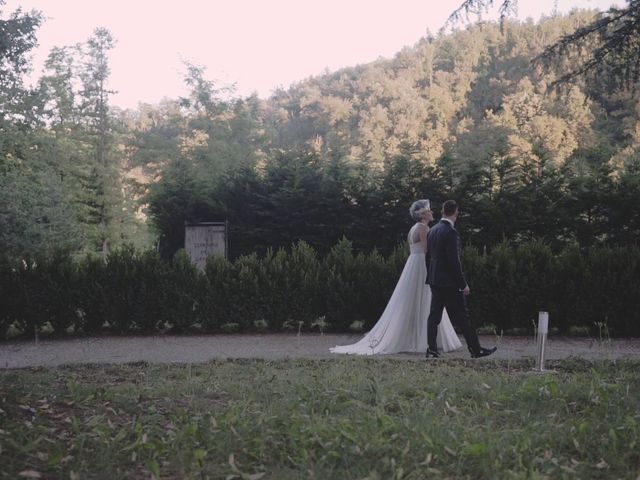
295	289
463	115
548	180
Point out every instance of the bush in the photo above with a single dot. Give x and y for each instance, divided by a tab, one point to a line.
10	304
131	291
341	289
217	274
32	295
94	299
302	284
183	287
492	278
58	292
153	309
272	293
611	290
121	286
569	305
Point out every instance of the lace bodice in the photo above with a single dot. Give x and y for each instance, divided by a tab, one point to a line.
413	237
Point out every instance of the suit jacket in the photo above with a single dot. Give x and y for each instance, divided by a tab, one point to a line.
443	257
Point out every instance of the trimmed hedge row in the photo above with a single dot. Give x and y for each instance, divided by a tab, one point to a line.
140	292
588	288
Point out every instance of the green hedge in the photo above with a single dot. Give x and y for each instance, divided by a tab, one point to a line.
580	288
139	292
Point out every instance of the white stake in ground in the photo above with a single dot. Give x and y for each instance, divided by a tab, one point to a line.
543	330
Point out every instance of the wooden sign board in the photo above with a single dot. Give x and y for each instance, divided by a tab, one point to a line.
202	240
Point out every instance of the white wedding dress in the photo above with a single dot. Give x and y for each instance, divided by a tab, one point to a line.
403	324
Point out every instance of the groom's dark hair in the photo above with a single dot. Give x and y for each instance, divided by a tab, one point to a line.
449	207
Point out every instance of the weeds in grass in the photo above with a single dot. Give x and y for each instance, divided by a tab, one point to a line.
603	333
340	418
321	323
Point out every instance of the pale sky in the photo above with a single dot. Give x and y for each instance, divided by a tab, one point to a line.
259	45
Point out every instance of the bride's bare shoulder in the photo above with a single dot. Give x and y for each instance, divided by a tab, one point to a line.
423	231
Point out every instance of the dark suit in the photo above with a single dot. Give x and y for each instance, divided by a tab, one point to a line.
447	282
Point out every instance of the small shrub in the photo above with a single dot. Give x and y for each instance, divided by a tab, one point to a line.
320	323
261	325
230	327
357	326
10	304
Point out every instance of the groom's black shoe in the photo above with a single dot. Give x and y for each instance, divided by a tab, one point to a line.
483	352
433	353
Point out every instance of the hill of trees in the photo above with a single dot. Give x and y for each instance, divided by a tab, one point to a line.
464	115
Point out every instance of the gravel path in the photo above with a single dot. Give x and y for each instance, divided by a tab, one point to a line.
203	348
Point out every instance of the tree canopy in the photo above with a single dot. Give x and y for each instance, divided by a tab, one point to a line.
464	114
607	45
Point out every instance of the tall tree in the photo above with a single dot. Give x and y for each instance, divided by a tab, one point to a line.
103	179
17	39
35	217
58	91
88	141
609	44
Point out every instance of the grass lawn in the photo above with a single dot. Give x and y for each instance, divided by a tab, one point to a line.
322	419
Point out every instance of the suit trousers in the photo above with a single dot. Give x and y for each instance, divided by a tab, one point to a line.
453	300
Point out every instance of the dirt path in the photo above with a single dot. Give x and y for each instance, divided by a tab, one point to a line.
203	348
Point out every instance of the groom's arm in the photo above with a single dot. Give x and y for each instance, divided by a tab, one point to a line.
453	259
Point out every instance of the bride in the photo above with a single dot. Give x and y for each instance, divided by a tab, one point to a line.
403	324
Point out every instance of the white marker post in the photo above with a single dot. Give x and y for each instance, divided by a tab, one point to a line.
543	330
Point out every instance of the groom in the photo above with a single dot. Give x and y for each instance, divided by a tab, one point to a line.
448	286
